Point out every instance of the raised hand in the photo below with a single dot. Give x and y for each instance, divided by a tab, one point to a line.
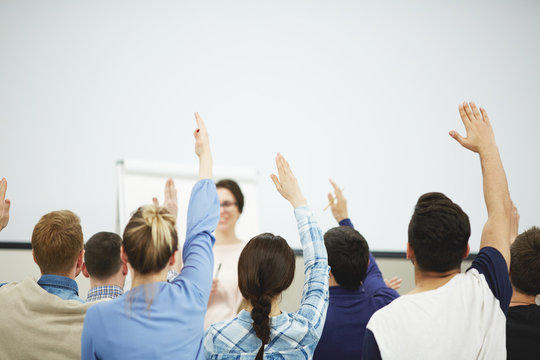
202	143
170	201
480	139
480	135
4	204
393	283
339	207
286	184
202	149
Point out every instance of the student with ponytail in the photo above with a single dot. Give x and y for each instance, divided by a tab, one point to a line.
157	319
265	270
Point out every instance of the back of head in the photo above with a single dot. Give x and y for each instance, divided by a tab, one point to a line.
348	256
234	188
525	262
150	239
265	269
102	255
439	232
57	241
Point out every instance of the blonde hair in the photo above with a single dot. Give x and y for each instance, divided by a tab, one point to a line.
57	241
150	239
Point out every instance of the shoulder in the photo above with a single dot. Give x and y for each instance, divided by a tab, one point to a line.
490	267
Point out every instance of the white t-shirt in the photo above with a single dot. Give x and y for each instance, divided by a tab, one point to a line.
464	319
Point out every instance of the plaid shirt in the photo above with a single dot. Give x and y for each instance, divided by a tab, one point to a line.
292	335
104	292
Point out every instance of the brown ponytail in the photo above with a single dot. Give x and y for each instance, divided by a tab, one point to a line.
265	269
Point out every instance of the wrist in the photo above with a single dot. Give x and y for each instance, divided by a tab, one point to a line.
298	201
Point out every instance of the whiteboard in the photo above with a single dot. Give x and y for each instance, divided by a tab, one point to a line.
141	180
361	91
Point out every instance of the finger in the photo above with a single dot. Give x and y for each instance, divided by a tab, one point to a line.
169	189
469	112
337	190
280	165
276	182
200	122
174	193
334	185
155	201
484	115
464	118
8	205
475	111
3	188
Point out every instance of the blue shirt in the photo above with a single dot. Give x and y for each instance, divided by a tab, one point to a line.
349	312
61	286
172	326
292	335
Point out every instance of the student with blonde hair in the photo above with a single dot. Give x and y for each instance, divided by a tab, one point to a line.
157	319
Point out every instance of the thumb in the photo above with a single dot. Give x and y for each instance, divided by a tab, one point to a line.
331	198
276	181
8	204
460	139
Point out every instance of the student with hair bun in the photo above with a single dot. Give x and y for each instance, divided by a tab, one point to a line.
157	319
265	270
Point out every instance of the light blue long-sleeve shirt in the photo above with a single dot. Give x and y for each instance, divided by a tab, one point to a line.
172	326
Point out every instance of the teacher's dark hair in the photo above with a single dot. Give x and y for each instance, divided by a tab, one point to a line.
234	188
265	270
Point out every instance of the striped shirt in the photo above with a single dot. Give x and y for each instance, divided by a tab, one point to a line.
104	292
292	335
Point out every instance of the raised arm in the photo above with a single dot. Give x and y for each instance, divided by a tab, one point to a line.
4	204
481	139
314	301
373	282
202	219
202	149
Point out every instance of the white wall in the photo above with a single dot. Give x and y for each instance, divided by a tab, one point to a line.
361	91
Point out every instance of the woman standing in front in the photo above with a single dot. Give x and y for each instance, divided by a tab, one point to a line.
225	297
157	319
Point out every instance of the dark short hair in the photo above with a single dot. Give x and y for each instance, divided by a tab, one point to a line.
234	188
265	269
102	255
348	256
438	233
525	262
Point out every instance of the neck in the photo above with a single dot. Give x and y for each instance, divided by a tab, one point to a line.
519	298
431	280
142	279
113	280
275	311
225	237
